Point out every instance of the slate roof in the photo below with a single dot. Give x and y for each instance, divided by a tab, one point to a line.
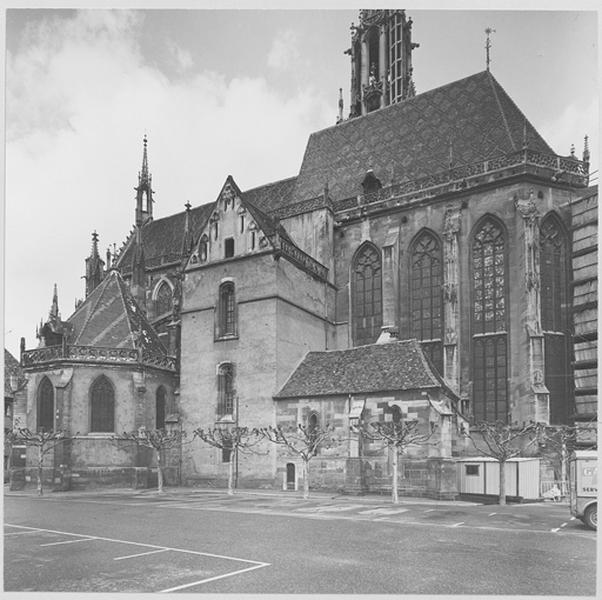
411	139
272	196
11	368
109	317
374	368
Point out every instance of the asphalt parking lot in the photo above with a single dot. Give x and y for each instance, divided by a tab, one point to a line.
206	541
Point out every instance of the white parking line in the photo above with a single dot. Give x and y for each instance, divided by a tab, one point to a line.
457	524
19	533
87	539
491	514
141	554
187	585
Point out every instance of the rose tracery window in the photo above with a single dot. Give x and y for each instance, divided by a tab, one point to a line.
366	296
489	337
426	278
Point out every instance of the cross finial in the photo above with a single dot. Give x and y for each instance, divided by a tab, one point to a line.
187	206
488	31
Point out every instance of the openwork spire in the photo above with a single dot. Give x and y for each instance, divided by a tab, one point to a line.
144	192
54	308
143	175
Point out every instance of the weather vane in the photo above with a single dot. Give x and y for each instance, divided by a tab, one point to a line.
488	31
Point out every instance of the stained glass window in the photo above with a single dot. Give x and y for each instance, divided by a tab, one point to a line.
426	278
227	310
489	348
102	405
46	406
554	317
225	390
164	299
366	295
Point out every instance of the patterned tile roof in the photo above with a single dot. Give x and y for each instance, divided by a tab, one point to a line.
12	368
110	318
412	139
374	368
272	196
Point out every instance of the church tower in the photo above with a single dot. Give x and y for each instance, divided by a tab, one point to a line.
144	192
381	60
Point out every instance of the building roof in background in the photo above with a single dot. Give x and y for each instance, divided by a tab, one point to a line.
12	369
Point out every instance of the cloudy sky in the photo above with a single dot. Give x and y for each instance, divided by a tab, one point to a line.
220	92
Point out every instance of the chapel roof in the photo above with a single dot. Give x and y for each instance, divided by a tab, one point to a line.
392	366
110	318
411	139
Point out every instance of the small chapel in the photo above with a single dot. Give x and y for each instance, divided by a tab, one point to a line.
417	266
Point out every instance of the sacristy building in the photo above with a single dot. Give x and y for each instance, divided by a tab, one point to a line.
419	264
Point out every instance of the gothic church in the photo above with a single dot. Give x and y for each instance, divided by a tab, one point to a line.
418	264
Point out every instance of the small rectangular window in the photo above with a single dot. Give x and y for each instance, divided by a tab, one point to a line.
242	223
229	247
252	240
472	470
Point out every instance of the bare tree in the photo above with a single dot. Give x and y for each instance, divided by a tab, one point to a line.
396	435
231	440
157	440
303	441
502	441
44	441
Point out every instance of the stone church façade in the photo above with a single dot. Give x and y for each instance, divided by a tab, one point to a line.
441	217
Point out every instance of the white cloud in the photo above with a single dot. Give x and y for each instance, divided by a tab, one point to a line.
79	99
284	53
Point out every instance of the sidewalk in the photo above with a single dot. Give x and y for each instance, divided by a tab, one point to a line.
192	492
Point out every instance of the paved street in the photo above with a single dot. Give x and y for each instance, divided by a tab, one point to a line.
262	542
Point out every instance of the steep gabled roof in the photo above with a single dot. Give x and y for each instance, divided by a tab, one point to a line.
411	139
385	367
110	318
272	196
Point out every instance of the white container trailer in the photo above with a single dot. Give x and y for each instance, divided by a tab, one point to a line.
481	475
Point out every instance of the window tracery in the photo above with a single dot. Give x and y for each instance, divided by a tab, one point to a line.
102	406
366	295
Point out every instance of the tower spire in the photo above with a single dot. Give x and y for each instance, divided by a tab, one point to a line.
54	314
94	266
488	31
144	192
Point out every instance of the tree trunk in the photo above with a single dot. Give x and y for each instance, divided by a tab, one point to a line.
40	473
395	482
231	473
502	499
159	472
305	479
563	469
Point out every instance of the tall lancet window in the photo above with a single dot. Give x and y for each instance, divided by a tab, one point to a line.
46	406
102	405
426	279
489	322
366	295
554	315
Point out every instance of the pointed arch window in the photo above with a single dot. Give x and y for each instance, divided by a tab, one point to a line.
366	295
553	255
160	407
102	405
226	318
489	336
203	248
426	301
46	405
225	390
164	299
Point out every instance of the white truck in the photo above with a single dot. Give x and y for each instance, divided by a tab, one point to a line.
583	479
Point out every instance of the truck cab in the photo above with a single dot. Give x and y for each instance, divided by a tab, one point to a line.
583	482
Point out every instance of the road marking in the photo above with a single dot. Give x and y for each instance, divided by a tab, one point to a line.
457	524
141	554
564	525
86	539
573	518
555	529
188	585
19	533
491	514
105	539
383	511
430	510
